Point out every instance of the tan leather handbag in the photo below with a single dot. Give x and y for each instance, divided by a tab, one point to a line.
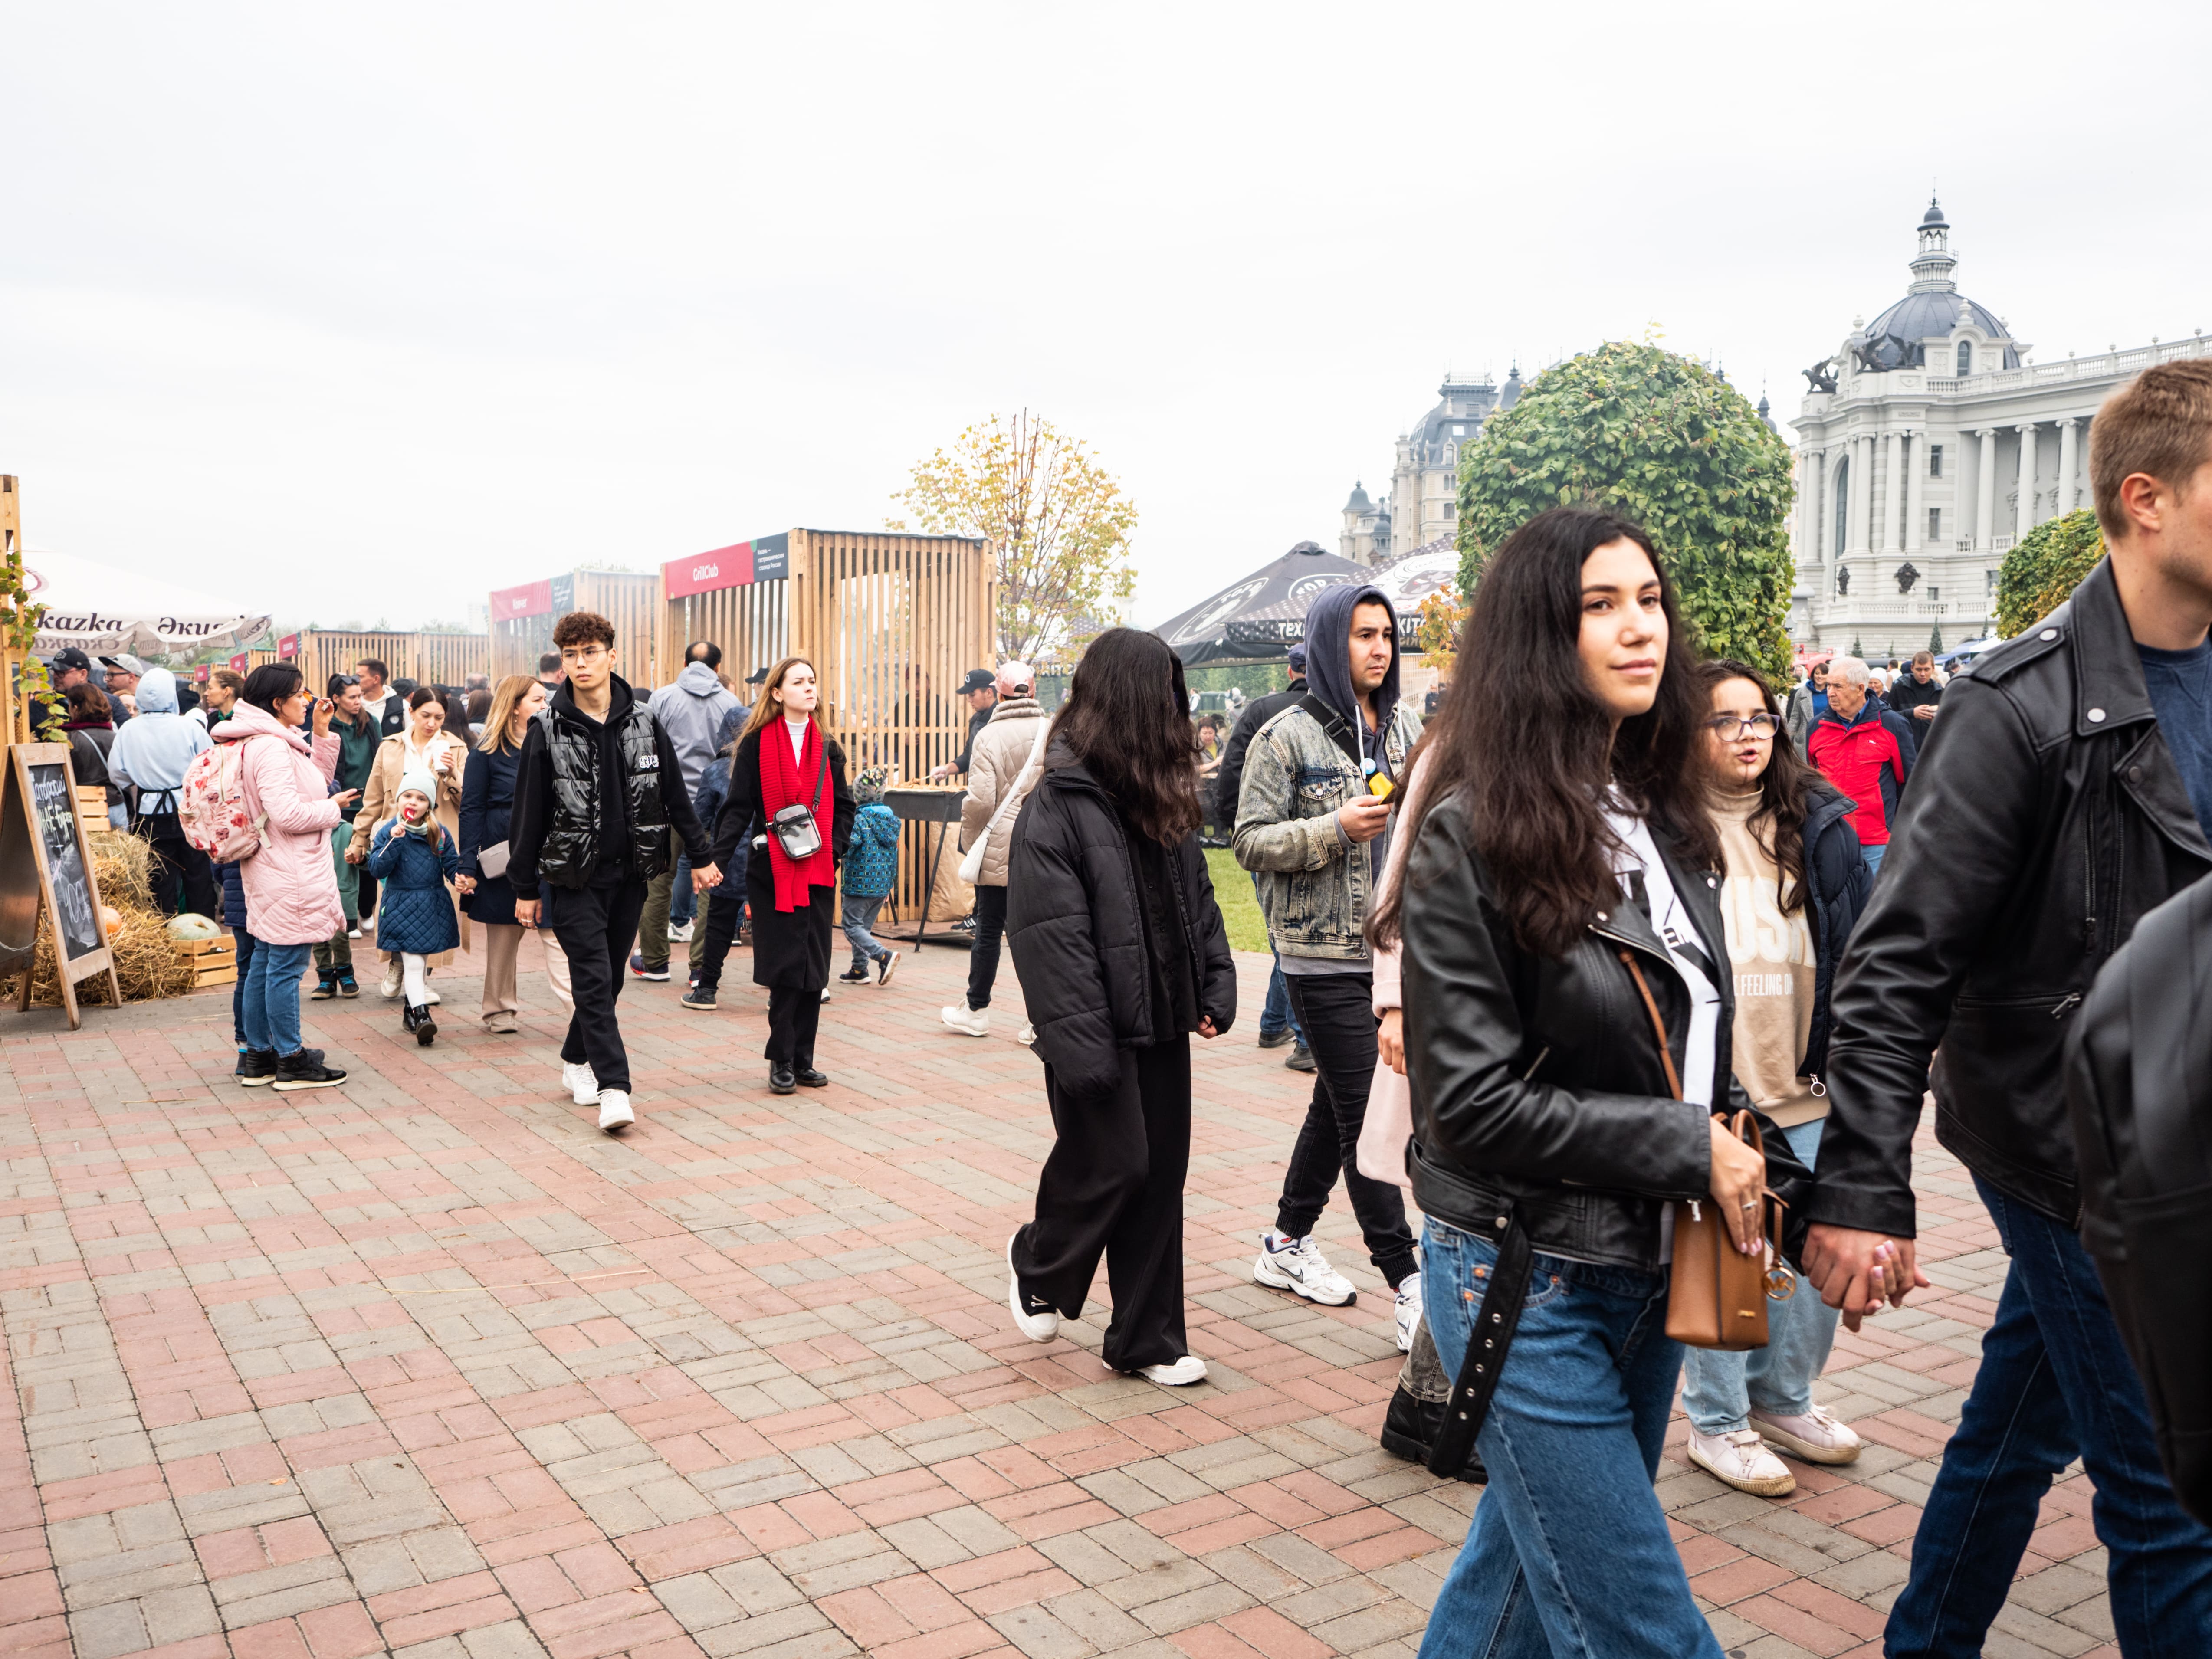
1717	1295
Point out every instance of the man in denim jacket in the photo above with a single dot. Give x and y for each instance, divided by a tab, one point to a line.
1309	827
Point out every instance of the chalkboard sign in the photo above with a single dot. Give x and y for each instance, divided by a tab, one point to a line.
45	866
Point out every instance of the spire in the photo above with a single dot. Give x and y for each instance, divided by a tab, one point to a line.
1932	266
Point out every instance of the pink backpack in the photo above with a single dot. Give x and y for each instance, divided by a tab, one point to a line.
211	804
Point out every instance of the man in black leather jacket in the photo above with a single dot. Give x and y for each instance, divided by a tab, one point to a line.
2048	814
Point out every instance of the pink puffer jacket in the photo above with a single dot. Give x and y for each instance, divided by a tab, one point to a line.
291	883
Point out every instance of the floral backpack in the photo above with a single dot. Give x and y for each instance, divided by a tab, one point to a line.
211	804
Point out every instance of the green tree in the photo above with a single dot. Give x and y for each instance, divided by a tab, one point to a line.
2044	567
1665	441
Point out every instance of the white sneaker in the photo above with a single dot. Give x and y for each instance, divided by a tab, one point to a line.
614	1110
388	987
1297	1264
583	1088
680	935
430	993
1185	1372
969	1022
1037	1326
1027	1036
353	933
1409	1311
1742	1461
1815	1436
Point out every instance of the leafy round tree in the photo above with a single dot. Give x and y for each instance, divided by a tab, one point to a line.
1665	441
2044	567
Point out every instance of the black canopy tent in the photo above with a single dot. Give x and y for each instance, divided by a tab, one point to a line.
1261	617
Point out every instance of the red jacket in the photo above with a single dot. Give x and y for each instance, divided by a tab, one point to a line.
1864	760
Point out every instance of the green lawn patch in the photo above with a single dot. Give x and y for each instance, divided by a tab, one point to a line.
1240	906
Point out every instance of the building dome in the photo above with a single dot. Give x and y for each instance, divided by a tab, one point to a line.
1932	309
1359	503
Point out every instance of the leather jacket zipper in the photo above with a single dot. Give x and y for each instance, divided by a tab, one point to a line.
2068	1001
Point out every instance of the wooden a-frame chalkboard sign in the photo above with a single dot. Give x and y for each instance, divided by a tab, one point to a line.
44	865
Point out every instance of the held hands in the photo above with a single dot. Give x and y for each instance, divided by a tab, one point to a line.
465	886
1364	818
1738	1182
526	912
355	855
1857	1270
1390	1039
703	879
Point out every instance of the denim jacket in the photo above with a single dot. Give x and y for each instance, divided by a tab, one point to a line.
1315	884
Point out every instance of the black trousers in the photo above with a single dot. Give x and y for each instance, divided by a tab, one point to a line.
983	957
1337	1013
1113	1187
793	1012
596	925
726	913
178	871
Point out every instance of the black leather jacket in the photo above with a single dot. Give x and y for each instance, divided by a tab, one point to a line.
2045	817
2139	1087
1538	1079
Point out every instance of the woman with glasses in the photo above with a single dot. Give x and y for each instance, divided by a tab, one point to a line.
1790	897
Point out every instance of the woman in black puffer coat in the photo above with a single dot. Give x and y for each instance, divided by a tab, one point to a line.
1122	954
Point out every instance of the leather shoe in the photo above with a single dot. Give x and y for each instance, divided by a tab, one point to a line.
808	1078
780	1080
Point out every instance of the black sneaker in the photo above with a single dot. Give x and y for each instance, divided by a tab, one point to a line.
1301	1058
658	976
700	999
347	987
326	986
886	966
306	1070
424	1027
780	1080
1274	1039
256	1067
856	975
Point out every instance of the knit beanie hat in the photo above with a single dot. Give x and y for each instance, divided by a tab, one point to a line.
417	778
868	787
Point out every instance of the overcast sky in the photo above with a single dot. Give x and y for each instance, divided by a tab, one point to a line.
351	312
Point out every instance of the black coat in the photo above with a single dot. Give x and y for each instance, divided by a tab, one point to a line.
2046	817
790	947
1537	1081
487	805
2139	1089
1837	883
1076	925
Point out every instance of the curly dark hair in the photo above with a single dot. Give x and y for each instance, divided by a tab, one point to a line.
581	628
1785	787
1522	734
1126	720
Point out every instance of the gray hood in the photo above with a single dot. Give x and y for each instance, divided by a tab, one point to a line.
1329	662
699	680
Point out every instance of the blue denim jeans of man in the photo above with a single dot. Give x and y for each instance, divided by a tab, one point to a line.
2054	1383
1719	1389
1872	857
858	919
1569	1556
271	1012
683	903
1275	1014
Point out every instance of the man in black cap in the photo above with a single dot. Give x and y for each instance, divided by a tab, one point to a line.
981	688
68	666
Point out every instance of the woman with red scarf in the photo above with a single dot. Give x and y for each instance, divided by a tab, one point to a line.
784	758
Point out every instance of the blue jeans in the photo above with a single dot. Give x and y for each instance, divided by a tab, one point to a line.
1569	1556
858	919
2054	1383
684	905
1276	1013
244	942
1872	857
272	996
1719	1389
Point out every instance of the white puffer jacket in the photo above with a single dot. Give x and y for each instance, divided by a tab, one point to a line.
1002	750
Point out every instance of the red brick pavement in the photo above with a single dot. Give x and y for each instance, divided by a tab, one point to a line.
427	1363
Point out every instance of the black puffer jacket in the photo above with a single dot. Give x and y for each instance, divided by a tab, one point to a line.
1075	922
1537	1080
2046	816
2139	1089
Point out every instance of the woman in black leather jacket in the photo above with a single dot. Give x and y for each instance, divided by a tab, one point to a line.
1564	864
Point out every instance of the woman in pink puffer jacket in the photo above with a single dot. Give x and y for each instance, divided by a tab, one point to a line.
291	887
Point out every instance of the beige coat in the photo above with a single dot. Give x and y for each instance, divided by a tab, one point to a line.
378	796
994	766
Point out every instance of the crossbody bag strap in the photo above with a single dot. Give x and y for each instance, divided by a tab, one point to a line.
1658	1026
1022	779
1495	1322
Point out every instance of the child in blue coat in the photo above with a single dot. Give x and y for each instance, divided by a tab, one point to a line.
412	859
870	868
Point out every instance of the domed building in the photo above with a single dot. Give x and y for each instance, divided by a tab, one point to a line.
1928	443
1423	504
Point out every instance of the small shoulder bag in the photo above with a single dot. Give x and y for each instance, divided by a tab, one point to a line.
794	827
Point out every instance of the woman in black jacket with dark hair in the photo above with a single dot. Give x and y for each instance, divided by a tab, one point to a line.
1558	911
1122	954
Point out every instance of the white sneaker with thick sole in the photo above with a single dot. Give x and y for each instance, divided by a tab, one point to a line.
969	1022
1037	1326
1409	1311
614	1110
388	987
583	1088
430	993
680	935
1815	1436
1027	1036
1742	1460
1297	1264
1185	1372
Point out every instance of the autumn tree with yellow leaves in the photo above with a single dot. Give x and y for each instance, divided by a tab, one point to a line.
1058	519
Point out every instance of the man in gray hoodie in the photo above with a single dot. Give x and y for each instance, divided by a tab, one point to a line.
149	756
693	712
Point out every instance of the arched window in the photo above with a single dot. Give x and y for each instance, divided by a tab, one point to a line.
1843	502
1965	358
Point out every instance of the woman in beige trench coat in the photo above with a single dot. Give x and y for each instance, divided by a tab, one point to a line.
423	741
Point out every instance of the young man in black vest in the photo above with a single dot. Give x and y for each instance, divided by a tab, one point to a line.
596	793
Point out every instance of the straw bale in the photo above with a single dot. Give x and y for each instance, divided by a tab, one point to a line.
148	962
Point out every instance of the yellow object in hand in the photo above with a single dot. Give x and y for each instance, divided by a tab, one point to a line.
1379	786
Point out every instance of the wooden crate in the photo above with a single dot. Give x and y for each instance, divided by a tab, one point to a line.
214	960
92	807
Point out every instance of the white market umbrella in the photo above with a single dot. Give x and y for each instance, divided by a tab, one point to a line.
100	611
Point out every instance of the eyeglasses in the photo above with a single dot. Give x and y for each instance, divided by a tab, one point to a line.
1730	728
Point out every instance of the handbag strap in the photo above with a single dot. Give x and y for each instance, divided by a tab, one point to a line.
1658	1026
1495	1322
1022	779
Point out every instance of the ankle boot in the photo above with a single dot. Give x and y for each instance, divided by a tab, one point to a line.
326	985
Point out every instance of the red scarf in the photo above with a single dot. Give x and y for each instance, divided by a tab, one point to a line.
788	782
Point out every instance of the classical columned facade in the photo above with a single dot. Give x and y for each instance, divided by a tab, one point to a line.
1927	446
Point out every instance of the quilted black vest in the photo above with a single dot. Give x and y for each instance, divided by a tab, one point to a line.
572	850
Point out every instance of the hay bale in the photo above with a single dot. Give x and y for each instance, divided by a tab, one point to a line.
148	963
123	865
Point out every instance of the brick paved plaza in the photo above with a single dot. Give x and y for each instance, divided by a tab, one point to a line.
427	1365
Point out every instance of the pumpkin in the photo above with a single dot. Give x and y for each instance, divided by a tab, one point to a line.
110	920
186	924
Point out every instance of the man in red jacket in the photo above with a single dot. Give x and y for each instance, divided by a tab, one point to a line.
1865	751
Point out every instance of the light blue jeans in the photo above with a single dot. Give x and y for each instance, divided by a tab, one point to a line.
1569	1556
1719	1389
272	1013
1872	857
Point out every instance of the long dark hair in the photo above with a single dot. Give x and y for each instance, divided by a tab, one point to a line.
270	684
1126	720
1521	733
1786	788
